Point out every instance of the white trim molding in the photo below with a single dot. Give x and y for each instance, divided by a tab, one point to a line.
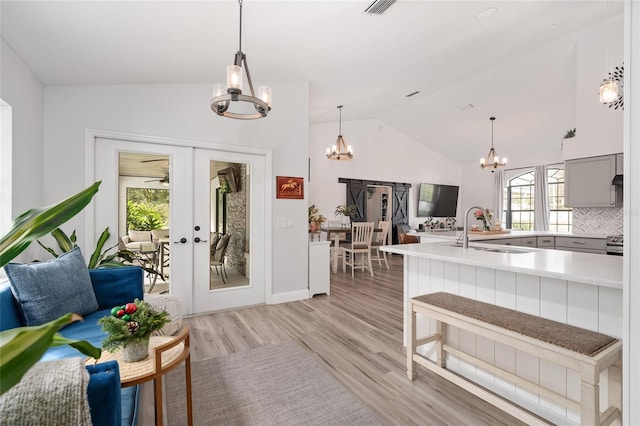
289	296
631	299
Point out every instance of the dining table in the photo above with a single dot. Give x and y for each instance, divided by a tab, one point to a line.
336	233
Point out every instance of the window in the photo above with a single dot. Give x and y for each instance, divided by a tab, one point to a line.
147	209
560	216
519	202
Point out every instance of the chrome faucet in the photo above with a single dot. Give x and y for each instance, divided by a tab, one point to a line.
465	232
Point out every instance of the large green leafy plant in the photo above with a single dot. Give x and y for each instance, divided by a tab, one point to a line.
99	257
22	347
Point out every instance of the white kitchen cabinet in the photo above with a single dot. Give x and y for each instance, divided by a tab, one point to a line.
319	267
588	182
581	244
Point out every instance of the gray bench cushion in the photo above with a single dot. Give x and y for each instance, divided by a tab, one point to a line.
566	336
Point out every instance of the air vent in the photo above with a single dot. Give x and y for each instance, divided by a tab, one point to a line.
378	7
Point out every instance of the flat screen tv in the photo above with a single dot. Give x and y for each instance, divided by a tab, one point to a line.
437	200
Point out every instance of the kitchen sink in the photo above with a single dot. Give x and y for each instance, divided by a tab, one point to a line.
493	249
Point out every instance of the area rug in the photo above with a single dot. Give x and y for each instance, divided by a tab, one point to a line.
271	385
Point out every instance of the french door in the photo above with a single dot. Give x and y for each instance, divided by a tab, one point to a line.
191	219
245	226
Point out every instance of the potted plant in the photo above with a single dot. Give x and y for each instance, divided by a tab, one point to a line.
571	133
315	220
349	211
130	327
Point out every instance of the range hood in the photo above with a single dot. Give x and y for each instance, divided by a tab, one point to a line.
617	180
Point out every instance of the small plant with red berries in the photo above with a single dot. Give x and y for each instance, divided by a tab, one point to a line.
131	322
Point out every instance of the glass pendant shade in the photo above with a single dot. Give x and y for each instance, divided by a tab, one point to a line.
234	79
608	91
218	90
264	93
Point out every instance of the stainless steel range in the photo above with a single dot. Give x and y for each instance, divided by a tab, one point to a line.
615	245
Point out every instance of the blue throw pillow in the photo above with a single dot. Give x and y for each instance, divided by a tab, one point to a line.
48	290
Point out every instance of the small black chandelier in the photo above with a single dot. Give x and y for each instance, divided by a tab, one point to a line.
340	151
223	95
492	161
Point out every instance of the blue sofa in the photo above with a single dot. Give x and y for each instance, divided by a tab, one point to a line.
109	404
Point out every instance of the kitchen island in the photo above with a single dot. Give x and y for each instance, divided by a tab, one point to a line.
580	289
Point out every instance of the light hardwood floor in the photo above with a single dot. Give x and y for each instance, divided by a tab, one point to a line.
356	335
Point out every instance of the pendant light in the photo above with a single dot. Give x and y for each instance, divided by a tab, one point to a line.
223	96
492	161
340	151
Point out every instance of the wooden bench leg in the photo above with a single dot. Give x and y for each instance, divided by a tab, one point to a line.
411	342
614	380
589	395
440	355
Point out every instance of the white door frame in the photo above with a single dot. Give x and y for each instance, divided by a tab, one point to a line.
90	140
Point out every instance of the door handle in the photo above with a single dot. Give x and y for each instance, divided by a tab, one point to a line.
198	240
182	240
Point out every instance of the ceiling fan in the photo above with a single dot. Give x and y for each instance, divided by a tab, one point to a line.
163	180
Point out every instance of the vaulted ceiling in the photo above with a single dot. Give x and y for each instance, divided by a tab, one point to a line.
368	63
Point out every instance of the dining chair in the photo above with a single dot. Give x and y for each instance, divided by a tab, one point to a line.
342	237
379	241
219	256
361	236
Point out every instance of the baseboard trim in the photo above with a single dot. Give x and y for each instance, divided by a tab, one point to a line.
289	296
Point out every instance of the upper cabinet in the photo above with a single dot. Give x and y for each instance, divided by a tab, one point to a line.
588	182
619	164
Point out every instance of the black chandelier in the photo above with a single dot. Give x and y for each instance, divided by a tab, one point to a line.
492	160
224	96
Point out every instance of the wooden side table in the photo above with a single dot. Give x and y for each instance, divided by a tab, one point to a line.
166	353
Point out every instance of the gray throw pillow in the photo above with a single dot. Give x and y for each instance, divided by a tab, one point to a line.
48	290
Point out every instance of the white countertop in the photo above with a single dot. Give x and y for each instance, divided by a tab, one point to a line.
512	233
595	269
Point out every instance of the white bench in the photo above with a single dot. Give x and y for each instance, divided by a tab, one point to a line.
587	352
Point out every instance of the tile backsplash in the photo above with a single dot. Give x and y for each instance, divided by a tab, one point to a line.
600	221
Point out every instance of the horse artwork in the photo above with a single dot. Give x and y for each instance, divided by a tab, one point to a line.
290	187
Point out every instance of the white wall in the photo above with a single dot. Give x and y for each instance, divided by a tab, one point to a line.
24	92
380	153
599	128
182	111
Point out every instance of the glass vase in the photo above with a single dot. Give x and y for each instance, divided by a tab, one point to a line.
136	350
